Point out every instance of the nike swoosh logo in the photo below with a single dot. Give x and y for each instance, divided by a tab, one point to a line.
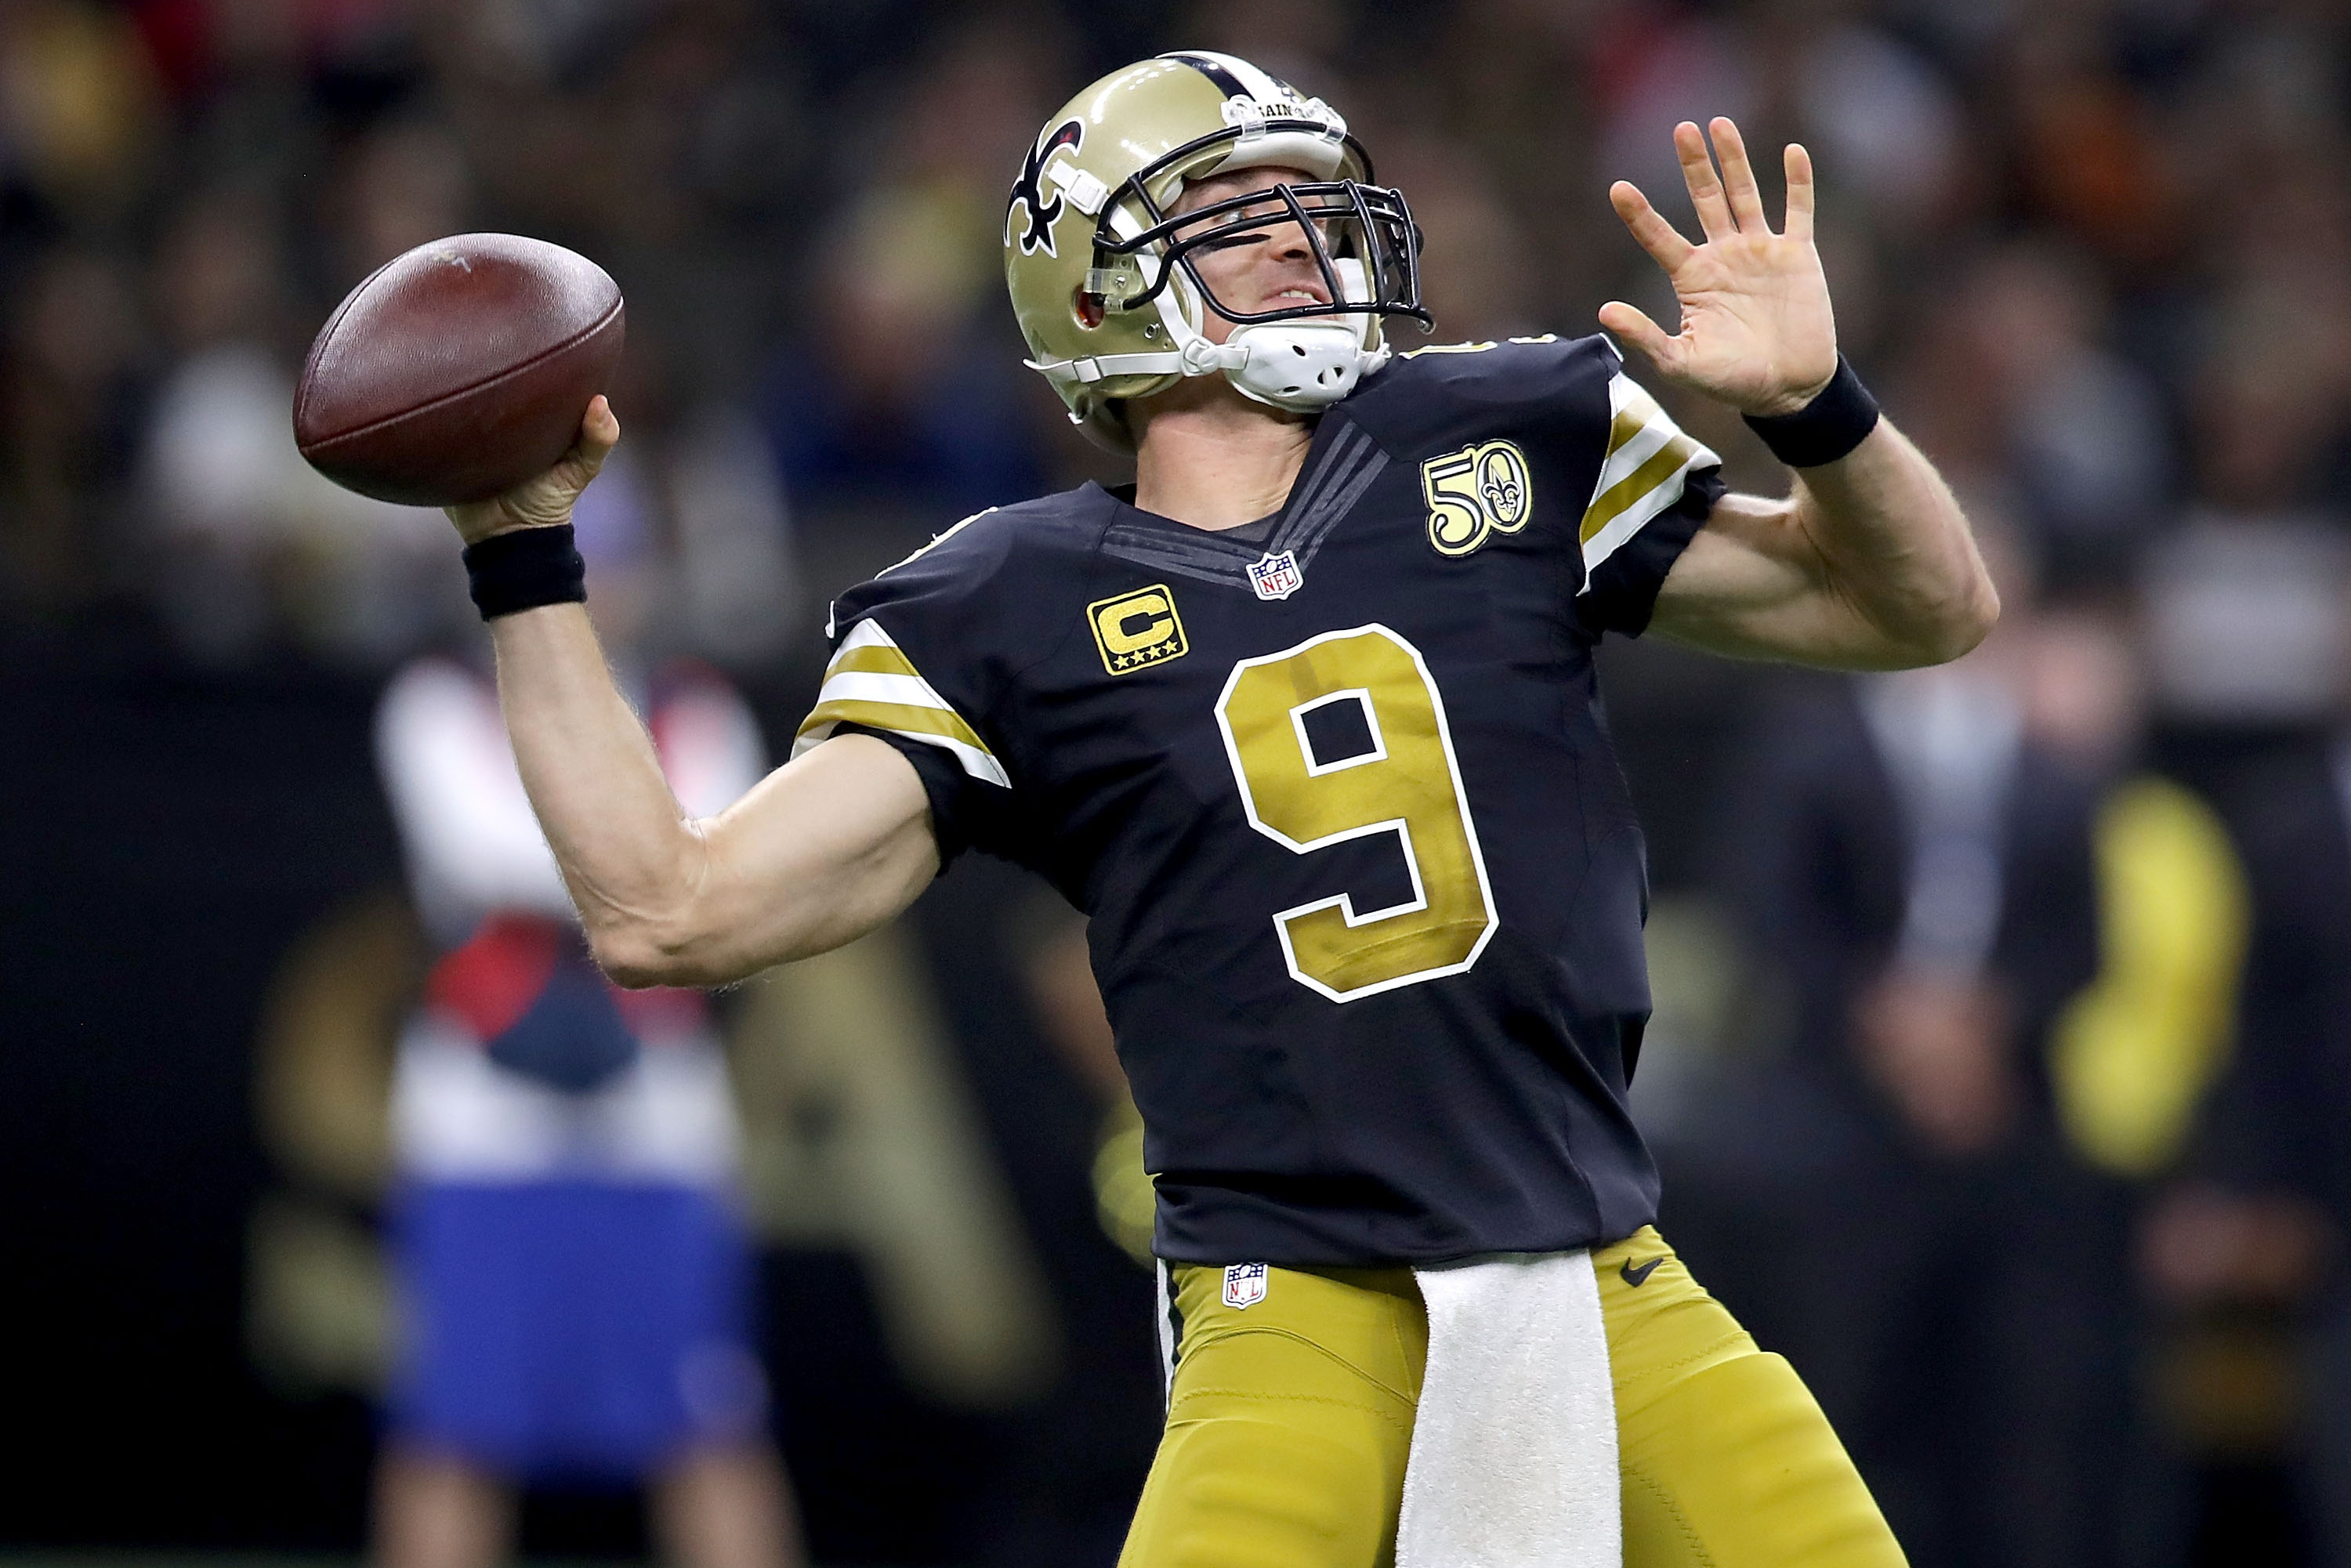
1640	1276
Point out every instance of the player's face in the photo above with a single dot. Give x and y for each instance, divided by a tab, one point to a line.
1271	269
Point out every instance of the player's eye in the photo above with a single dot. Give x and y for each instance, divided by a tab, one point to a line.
1227	242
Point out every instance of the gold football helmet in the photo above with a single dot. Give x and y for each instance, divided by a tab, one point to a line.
1102	277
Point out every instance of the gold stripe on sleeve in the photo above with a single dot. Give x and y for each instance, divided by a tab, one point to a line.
872	659
1663	467
911	722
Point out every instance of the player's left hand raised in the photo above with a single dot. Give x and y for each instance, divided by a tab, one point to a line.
1755	328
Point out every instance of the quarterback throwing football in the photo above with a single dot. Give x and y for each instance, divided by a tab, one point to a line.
1307	724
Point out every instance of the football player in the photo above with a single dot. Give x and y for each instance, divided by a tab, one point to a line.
1306	722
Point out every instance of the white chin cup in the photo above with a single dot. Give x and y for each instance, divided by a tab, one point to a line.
1299	365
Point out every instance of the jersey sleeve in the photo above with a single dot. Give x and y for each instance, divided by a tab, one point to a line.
913	665
1655	486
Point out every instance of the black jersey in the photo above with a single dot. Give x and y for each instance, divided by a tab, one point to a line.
1365	884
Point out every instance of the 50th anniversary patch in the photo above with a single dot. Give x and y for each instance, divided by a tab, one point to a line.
1482	490
1135	631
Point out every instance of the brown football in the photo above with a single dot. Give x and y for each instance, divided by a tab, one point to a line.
458	370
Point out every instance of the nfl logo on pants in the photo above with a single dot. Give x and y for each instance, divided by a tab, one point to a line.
1244	1284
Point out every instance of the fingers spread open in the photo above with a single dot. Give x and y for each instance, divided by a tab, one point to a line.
1705	189
1664	241
1798	166
1636	329
1738	176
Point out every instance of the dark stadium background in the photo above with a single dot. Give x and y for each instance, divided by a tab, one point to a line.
2094	253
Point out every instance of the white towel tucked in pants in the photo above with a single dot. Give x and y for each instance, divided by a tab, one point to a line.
1513	1461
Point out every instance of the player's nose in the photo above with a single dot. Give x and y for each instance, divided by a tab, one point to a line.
1290	244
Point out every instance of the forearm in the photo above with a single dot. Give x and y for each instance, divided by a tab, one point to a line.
465	826
1895	548
631	860
819	852
1868	565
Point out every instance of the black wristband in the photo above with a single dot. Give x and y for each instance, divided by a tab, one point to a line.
523	568
1824	429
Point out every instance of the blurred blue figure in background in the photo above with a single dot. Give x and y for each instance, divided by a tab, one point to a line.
573	1270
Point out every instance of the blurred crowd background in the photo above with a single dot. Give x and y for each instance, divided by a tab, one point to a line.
2003	1041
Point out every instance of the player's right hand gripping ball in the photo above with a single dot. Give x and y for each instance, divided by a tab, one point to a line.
459	369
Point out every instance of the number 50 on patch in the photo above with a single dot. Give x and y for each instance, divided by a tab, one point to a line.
1475	493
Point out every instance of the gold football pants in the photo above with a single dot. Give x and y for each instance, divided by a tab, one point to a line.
1289	1422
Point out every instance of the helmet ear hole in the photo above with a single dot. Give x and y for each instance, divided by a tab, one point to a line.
1087	306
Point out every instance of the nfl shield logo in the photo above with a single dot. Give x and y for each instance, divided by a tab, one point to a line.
1244	1284
1277	576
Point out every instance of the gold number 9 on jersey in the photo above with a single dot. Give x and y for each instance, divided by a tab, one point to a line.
1405	784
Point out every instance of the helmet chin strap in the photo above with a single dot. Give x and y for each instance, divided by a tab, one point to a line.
1301	366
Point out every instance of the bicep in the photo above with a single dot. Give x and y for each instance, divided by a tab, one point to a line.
1751	584
823	850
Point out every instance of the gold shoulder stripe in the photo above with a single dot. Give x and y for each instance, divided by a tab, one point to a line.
875	659
1663	465
897	717
1648	460
871	682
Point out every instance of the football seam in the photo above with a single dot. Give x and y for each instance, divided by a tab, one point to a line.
537	359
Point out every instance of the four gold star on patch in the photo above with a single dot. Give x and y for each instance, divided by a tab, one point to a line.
1135	631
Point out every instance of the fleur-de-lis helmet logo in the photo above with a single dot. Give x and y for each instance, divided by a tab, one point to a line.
1030	206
